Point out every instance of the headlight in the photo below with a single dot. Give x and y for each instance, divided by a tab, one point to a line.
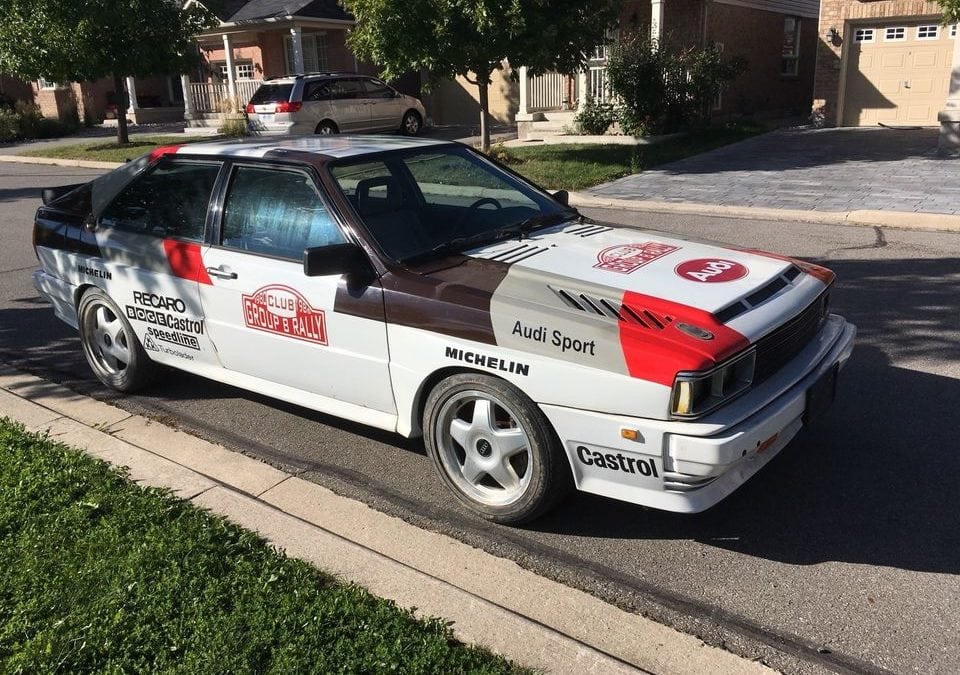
695	394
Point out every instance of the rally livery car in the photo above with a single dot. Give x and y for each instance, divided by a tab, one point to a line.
416	286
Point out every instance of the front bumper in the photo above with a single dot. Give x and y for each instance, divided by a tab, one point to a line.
688	467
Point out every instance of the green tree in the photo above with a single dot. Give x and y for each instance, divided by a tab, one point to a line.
77	40
951	10
473	37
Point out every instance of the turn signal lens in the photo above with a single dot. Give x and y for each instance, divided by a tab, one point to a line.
629	434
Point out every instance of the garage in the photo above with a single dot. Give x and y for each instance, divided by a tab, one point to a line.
898	72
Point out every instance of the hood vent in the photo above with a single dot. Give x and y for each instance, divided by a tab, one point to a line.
758	296
612	310
513	254
588	230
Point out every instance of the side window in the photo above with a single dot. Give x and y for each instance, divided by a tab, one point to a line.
346	89
377	89
317	91
276	212
169	201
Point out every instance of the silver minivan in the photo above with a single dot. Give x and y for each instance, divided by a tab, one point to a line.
331	103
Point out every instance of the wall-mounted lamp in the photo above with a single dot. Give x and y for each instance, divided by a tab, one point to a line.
833	35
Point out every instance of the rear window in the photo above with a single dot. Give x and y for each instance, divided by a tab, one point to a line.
271	93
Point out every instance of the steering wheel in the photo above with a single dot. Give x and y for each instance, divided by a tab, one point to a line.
485	200
465	218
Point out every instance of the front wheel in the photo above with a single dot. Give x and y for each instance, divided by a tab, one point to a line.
110	345
411	123
494	448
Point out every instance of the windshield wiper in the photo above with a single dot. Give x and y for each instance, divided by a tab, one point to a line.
455	245
534	222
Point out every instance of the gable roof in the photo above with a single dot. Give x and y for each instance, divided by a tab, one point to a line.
251	11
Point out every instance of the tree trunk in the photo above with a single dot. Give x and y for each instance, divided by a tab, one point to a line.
483	82
120	92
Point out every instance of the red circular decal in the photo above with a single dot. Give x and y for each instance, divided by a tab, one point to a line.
711	270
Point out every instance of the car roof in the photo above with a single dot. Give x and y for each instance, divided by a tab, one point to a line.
306	76
325	147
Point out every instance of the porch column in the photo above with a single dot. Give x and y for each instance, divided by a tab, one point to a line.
522	110
132	93
656	19
949	117
231	72
188	107
297	38
583	89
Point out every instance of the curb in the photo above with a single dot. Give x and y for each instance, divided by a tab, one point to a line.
54	161
905	220
491	601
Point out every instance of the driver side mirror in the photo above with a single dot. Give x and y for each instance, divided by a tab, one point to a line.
324	261
562	196
90	222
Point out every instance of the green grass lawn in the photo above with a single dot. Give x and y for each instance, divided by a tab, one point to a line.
100	575
575	167
101	150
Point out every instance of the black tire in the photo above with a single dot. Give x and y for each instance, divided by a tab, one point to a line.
326	128
539	470
411	123
110	345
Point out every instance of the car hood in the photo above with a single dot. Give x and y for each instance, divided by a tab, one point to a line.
638	302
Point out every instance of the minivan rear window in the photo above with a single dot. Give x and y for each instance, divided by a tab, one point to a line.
271	93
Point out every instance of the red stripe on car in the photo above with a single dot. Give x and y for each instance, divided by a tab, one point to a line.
157	153
655	349
821	273
185	261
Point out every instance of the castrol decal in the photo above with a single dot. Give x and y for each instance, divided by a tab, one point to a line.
627	258
711	270
284	311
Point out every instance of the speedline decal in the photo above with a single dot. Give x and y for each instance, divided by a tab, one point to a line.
284	311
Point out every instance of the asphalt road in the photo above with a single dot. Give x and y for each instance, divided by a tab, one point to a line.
842	554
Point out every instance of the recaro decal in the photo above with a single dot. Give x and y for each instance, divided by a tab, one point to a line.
284	311
711	270
617	462
627	258
165	314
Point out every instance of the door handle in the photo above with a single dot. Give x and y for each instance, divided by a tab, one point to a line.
221	273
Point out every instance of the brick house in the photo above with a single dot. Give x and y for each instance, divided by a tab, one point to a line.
777	38
887	61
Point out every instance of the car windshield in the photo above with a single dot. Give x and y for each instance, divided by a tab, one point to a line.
439	200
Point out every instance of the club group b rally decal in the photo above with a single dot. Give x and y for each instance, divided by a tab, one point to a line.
627	258
284	311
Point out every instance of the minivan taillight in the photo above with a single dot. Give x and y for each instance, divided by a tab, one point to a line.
250	108
288	106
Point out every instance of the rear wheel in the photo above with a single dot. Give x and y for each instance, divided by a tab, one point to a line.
326	128
494	448
110	345
411	123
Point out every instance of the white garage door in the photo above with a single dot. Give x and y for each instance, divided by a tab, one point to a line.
898	72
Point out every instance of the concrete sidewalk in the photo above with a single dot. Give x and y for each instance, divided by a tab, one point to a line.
492	601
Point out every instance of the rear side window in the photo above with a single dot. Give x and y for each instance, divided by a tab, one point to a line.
271	93
346	89
317	91
169	201
276	212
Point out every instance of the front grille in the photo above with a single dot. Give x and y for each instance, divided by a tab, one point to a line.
776	349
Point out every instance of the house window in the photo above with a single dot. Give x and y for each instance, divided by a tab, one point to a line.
863	35
244	71
314	53
790	63
47	84
928	32
953	31
895	34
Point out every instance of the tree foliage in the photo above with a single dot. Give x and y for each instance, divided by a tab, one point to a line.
78	40
473	37
951	10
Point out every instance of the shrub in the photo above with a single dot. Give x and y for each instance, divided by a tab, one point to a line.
9	125
233	126
29	118
499	152
662	89
594	118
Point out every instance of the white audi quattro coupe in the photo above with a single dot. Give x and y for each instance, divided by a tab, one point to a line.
417	286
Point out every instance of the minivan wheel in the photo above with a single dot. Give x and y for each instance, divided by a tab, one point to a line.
326	128
411	123
110	345
494	448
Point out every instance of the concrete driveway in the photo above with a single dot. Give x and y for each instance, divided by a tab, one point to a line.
809	169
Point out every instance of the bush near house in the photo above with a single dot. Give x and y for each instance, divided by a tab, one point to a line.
24	121
594	118
662	88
